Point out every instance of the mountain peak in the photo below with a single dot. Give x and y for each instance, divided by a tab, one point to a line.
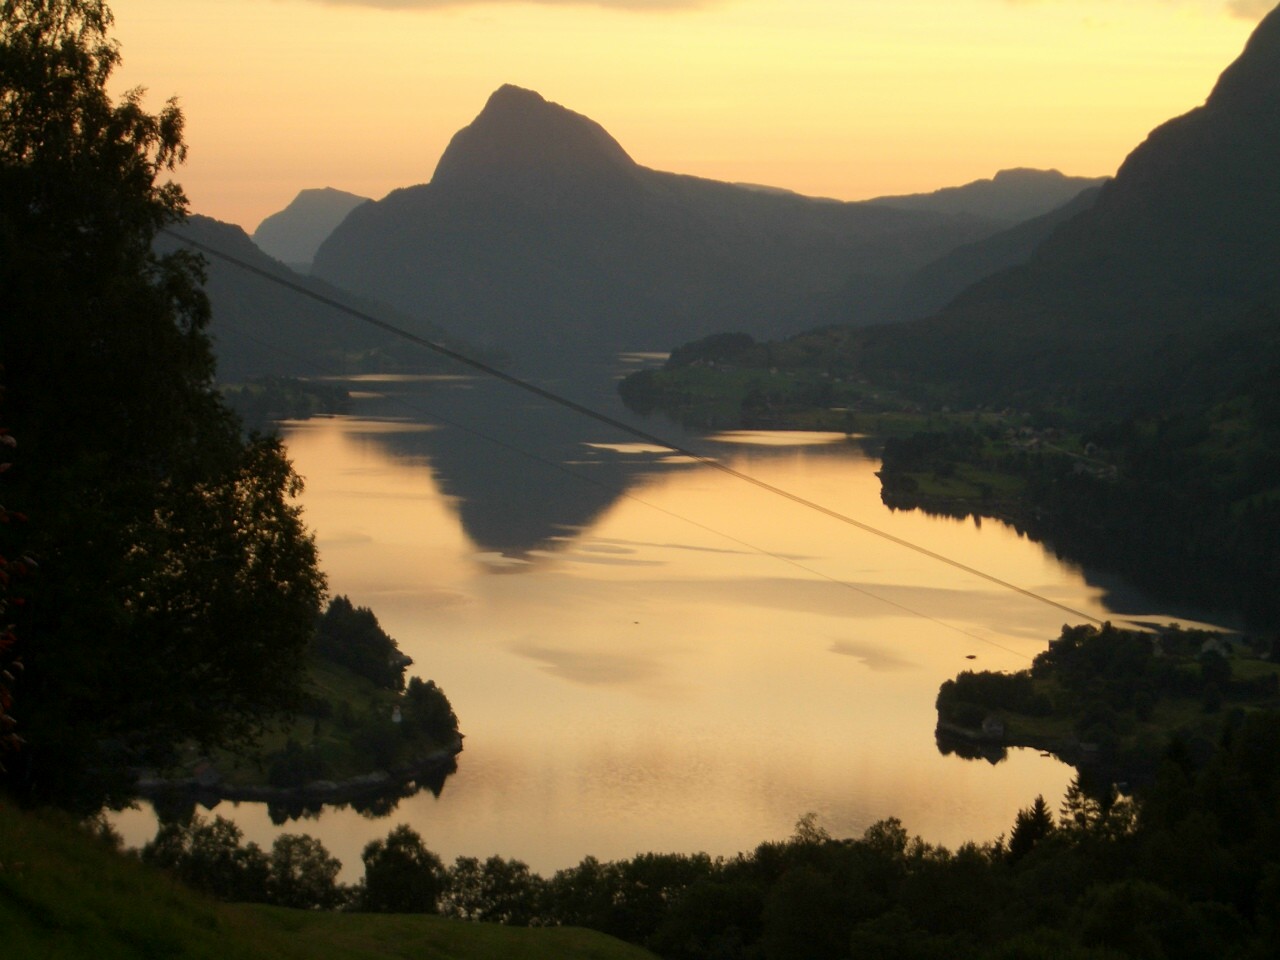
520	139
509	96
1254	78
293	234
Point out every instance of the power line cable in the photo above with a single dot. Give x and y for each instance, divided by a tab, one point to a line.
420	409
560	400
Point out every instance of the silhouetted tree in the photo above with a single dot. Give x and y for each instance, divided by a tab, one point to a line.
1030	826
208	856
351	637
401	875
178	588
302	874
427	708
493	891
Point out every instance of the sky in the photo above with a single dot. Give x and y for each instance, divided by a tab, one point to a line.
848	99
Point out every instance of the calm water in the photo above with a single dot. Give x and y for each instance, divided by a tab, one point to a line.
648	654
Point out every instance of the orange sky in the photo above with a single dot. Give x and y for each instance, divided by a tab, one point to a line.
839	98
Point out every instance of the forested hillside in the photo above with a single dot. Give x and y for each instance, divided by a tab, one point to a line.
1146	327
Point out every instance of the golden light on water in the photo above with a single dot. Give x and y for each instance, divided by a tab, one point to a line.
652	683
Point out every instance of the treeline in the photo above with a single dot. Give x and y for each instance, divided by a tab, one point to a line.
263	401
1120	697
1193	510
377	723
1189	869
1185	506
1179	493
351	637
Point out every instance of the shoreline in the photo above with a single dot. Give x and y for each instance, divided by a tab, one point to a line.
366	785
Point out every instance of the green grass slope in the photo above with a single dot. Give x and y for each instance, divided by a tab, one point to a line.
65	895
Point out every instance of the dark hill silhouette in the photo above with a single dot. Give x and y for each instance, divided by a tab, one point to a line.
1162	294
1011	195
935	285
539	234
520	145
260	328
295	233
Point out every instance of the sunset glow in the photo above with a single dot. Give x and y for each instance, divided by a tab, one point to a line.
842	99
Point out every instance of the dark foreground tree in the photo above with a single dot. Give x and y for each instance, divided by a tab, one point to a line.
302	874
208	856
401	875
177	587
12	567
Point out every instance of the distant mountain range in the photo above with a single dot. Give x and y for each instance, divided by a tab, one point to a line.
540	235
935	285
293	235
262	328
1011	195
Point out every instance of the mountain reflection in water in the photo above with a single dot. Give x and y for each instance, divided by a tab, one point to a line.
645	653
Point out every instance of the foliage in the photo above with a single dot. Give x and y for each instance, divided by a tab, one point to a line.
10	656
302	874
971	696
351	637
296	765
64	896
717	348
1114	696
1030	827
1190	868
345	730
208	856
427	709
496	890
401	875
178	588
264	401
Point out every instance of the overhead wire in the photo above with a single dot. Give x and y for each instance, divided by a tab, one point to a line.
627	428
437	416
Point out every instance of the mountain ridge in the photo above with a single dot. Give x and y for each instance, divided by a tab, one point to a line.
540	235
1015	194
1151	295
293	235
261	328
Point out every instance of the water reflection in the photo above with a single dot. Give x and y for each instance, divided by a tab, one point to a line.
524	474
653	655
373	806
875	657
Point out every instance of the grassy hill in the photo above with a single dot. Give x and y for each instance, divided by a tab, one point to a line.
65	894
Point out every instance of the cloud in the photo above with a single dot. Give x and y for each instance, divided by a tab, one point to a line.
1244	9
631	5
1250	9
